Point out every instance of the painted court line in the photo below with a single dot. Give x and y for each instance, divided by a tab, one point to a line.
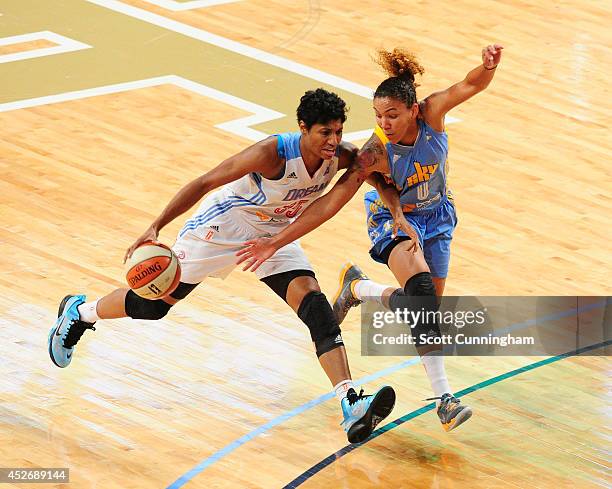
254	53
239	127
218	455
64	45
182	6
236	47
298	481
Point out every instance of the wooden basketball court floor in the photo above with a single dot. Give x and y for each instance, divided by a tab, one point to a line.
108	107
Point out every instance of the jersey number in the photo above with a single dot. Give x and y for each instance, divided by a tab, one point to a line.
290	210
423	191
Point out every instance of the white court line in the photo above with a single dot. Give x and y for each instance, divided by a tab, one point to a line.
239	127
181	6
236	47
254	53
64	45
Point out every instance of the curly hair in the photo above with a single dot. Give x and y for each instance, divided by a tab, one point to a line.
401	66
320	107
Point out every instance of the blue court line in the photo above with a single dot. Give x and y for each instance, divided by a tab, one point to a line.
278	420
207	462
429	407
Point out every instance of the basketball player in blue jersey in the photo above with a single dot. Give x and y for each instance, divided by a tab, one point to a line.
410	232
261	190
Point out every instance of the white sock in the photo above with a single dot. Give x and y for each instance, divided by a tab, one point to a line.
434	367
88	312
369	290
342	388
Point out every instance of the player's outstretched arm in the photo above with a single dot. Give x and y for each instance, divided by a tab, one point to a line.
258	250
261	157
438	104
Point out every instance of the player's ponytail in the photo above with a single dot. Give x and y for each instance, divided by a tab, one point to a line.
401	66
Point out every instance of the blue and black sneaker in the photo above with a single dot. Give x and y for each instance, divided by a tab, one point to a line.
67	331
363	413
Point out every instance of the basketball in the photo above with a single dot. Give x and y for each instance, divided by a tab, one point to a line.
153	271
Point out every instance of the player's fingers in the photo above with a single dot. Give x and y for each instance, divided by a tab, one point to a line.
490	53
411	243
248	265
128	253
243	251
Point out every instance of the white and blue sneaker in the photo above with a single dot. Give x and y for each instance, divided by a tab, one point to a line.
363	413
67	331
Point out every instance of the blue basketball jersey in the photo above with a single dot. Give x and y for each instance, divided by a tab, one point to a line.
419	171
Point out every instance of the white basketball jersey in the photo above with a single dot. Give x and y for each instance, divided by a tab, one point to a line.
259	206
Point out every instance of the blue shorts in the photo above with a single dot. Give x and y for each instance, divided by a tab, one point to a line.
434	228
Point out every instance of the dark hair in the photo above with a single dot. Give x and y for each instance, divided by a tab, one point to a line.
319	107
401	67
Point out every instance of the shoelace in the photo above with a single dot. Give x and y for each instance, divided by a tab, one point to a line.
353	397
444	400
76	329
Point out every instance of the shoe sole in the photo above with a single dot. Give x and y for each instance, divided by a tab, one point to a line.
379	409
52	332
461	418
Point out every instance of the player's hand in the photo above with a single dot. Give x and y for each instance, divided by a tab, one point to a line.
401	224
491	55
255	252
149	235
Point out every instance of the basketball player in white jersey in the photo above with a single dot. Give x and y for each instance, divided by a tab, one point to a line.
263	189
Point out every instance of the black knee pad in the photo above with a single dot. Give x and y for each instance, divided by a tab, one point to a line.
317	314
420	284
426	326
279	282
397	299
137	307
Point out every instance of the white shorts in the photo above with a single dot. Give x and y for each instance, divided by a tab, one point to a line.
209	249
